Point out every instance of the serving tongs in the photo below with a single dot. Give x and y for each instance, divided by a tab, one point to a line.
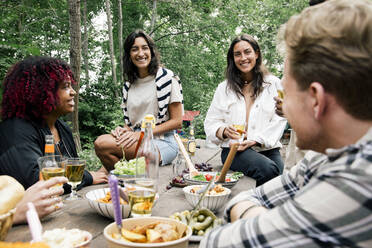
228	162
192	171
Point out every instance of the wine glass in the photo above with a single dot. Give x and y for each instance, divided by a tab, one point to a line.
74	173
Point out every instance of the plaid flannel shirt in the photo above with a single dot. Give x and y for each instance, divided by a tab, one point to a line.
324	201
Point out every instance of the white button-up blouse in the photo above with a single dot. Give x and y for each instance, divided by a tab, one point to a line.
264	125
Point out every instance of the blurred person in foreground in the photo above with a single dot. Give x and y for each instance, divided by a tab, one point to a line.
37	91
324	201
246	97
292	154
149	89
42	194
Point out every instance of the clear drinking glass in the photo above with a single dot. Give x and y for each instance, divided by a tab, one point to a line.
52	166
240	128
74	173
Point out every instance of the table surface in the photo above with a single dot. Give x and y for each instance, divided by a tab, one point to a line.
78	214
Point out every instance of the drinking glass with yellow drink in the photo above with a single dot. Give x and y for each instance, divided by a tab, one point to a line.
52	166
142	198
74	172
240	128
280	94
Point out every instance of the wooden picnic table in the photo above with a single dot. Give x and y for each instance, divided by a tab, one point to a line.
78	214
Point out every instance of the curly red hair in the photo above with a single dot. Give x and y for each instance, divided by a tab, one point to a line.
30	87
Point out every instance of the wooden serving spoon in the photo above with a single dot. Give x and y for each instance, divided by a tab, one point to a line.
192	171
228	162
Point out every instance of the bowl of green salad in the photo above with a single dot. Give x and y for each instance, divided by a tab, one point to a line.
126	170
205	177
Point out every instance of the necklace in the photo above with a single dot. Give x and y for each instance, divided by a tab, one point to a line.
58	144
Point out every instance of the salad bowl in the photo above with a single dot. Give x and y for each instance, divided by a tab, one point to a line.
204	177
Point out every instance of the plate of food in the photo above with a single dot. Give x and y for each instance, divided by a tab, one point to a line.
148	232
205	177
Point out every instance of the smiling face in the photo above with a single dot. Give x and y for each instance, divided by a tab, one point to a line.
66	101
140	55
244	57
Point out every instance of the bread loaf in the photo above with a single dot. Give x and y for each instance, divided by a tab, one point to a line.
11	192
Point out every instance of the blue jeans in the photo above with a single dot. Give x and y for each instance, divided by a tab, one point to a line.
261	166
168	148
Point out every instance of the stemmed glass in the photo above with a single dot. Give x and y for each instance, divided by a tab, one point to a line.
74	173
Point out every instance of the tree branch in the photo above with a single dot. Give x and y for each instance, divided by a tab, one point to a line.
184	32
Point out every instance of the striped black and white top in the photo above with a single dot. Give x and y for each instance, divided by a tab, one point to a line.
163	81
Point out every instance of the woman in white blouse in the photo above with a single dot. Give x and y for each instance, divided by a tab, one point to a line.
149	89
246	97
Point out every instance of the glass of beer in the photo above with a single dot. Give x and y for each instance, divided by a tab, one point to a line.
142	197
74	172
141	201
240	128
52	166
280	94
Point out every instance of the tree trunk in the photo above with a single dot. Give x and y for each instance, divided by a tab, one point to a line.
120	36
85	44
153	19
75	56
111	42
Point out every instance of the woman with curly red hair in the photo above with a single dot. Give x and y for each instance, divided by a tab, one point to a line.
36	93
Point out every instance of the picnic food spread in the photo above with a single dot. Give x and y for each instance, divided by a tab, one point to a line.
62	238
150	233
207	177
179	180
216	190
107	199
124	167
201	221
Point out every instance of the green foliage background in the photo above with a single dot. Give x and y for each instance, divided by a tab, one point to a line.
192	36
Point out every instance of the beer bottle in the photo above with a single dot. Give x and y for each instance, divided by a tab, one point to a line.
49	145
191	144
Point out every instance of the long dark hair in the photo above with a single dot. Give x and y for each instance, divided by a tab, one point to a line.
129	69
30	87
233	74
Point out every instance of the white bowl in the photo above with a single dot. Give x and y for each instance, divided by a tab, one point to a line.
59	237
212	202
105	209
132	222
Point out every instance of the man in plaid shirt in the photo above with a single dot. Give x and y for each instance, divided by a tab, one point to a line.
326	199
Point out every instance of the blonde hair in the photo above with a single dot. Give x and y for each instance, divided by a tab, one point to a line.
331	43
